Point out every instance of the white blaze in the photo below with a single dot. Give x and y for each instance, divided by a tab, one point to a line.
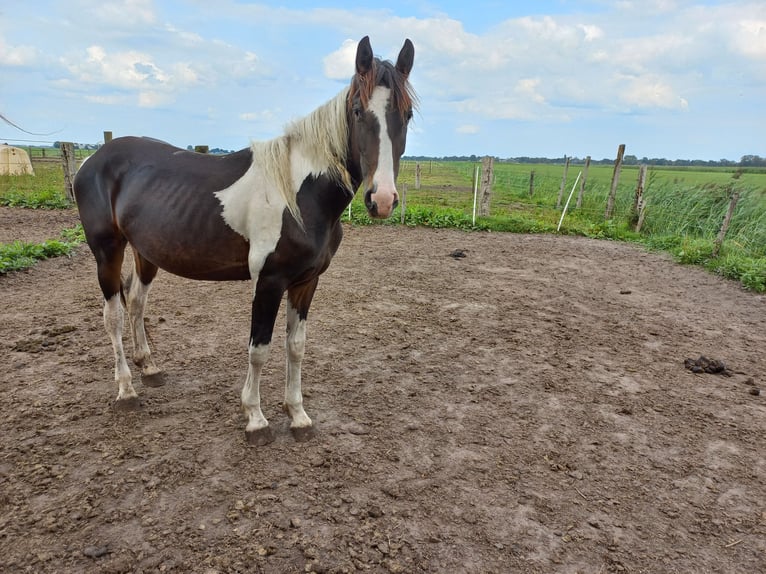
384	174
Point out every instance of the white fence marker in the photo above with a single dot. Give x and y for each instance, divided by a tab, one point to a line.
563	213
475	192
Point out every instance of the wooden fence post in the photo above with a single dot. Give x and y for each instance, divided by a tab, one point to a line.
531	183
581	191
641	214
417	175
563	182
487	165
725	224
615	180
107	137
68	163
638	201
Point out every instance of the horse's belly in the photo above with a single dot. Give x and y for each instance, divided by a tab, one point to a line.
197	255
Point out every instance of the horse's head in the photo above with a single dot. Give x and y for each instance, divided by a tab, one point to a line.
380	107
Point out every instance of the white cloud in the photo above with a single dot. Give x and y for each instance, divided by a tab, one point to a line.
340	64
16	55
750	38
133	71
650	91
122	13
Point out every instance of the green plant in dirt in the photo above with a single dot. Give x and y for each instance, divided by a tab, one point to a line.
19	255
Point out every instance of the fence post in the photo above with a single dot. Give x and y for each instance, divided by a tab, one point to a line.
487	165
615	180
563	182
531	183
403	203
638	201
641	214
725	224
417	175
68	163
581	191
107	137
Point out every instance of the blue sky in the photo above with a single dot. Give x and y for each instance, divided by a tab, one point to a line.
668	78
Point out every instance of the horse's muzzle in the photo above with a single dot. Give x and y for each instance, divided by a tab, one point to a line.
379	203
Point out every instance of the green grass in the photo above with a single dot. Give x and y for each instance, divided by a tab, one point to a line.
19	255
44	190
685	208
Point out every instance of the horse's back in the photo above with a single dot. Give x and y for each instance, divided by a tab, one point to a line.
161	199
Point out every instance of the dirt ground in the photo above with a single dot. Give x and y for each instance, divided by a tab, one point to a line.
524	408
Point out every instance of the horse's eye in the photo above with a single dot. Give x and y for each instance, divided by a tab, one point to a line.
409	115
357	111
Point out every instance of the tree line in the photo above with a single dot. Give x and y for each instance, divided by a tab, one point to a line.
745	160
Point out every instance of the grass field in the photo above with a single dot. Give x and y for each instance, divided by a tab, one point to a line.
685	207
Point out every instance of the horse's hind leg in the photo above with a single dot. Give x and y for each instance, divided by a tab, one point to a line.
109	254
137	291
298	302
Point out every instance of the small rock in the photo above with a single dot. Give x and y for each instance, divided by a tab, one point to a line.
755	391
96	551
296	522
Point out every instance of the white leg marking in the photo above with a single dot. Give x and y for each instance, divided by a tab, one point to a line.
295	347
142	355
114	322
251	393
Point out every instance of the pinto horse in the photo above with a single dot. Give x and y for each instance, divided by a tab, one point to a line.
269	213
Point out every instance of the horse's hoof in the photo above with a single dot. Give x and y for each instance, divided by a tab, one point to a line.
126	405
154	380
260	437
302	434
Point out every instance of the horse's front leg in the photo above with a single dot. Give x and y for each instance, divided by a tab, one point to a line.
298	302
264	313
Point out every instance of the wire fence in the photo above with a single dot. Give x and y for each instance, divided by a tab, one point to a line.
689	204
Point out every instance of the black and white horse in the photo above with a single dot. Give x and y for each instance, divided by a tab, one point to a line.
270	213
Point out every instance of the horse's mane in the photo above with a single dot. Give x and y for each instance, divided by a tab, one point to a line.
323	134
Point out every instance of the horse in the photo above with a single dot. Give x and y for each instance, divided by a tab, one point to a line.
269	213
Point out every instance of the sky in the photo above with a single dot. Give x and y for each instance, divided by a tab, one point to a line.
668	78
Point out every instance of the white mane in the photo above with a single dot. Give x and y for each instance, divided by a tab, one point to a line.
322	136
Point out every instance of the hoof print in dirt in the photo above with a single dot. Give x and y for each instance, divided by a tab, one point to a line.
260	437
127	405
705	365
302	434
154	381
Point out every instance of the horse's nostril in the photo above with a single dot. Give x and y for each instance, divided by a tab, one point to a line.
396	202
372	206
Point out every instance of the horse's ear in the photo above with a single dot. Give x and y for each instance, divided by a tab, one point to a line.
406	58
364	57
